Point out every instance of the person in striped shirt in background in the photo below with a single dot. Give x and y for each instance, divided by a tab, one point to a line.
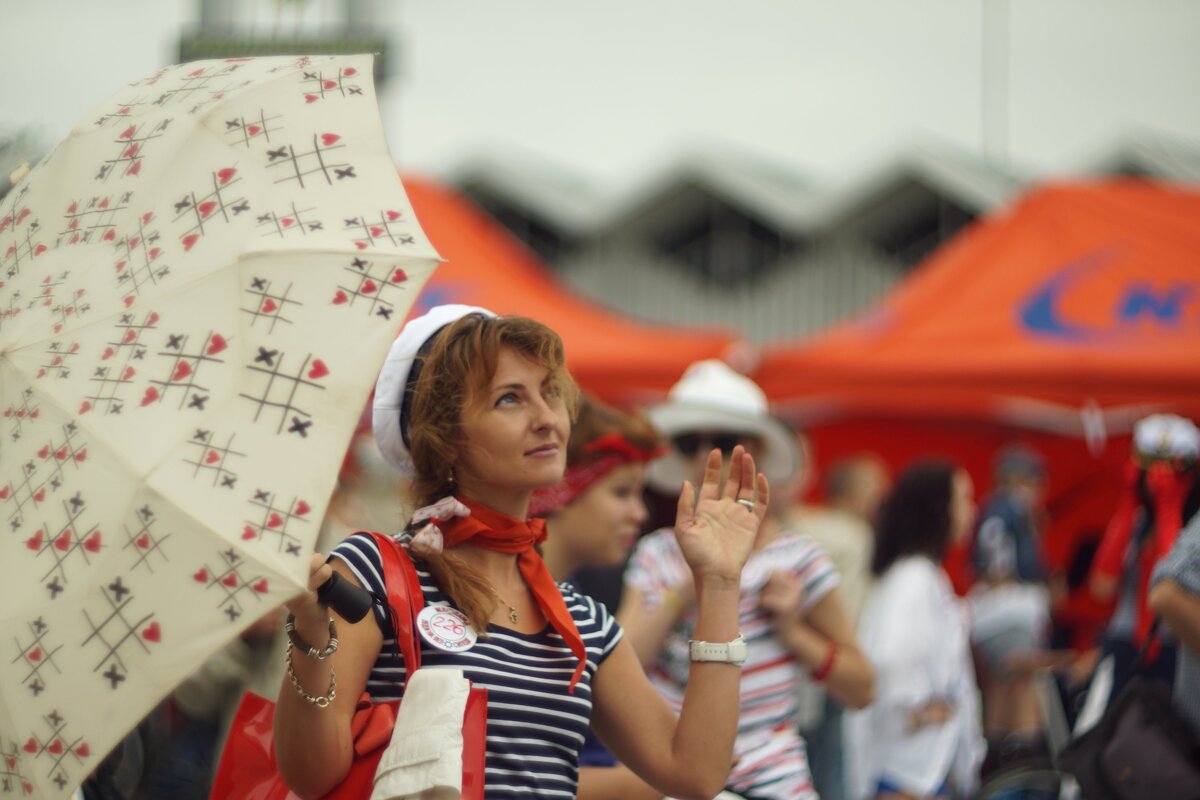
790	611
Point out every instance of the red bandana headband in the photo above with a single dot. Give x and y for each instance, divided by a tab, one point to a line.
579	479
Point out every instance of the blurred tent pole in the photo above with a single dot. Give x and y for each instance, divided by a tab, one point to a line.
995	47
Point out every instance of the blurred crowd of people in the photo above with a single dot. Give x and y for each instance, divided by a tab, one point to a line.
867	675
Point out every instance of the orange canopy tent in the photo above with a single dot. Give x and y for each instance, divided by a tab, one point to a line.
615	358
1077	296
1059	322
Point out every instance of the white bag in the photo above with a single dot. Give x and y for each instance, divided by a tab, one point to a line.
423	761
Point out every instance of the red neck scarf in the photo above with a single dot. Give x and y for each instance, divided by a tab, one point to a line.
1168	489
494	531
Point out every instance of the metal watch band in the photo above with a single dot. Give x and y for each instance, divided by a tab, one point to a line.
729	652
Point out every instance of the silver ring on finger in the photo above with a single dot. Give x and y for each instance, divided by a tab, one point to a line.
746	504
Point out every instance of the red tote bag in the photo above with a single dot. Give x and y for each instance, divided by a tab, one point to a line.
248	771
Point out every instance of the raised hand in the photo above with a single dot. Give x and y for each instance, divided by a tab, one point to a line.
716	533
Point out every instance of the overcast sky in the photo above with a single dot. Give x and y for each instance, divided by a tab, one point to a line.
611	90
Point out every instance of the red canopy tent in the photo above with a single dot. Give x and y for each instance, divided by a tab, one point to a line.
1057	322
615	358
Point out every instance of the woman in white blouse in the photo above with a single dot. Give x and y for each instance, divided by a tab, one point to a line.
921	737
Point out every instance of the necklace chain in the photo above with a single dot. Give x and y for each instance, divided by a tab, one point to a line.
512	611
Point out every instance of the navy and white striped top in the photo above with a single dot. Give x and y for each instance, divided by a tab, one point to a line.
535	727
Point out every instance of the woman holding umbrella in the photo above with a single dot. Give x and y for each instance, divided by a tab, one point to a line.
479	408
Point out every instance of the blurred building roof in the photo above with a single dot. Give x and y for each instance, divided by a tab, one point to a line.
969	182
887	196
757	188
552	195
730	238
1151	155
751	186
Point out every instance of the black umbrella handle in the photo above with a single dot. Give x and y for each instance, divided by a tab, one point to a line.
352	602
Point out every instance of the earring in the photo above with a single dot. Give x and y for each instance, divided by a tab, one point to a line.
452	475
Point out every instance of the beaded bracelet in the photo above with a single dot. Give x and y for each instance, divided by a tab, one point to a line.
319	702
305	647
826	667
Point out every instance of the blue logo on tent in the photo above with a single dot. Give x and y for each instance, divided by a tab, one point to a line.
1139	304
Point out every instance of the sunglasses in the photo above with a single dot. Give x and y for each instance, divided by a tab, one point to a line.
691	443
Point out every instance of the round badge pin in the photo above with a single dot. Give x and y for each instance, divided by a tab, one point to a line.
446	628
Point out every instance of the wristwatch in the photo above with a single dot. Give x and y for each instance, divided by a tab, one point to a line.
734	652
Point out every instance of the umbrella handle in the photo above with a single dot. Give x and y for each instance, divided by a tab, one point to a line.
352	602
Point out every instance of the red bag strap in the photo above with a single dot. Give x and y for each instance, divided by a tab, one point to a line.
405	596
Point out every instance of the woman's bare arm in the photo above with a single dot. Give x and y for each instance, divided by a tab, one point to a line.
313	745
614	783
690	757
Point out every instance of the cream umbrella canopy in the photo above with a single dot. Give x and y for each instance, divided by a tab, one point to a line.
197	288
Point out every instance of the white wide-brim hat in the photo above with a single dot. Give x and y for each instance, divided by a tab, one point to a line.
713	398
393	380
1166	436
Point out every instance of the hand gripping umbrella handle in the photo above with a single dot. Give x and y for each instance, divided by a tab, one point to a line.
352	602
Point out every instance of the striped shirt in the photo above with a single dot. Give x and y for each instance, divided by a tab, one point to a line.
535	727
770	757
